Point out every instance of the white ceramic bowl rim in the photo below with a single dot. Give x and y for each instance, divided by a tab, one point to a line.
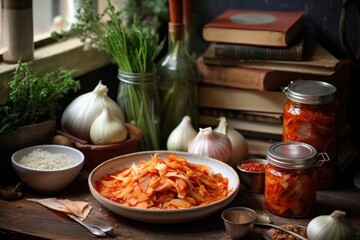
236	188
45	147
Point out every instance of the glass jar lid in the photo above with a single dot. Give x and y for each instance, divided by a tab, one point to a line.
292	155
310	92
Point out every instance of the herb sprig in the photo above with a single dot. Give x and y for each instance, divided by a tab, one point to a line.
132	46
34	99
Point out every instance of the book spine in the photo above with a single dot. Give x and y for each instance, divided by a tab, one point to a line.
240	99
268	128
236	114
238	51
259	147
252	79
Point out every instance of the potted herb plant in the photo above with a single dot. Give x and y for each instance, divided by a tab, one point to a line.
133	47
29	115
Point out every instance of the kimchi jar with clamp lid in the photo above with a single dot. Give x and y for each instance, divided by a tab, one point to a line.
290	179
310	116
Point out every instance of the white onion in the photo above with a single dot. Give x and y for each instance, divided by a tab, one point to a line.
334	227
83	110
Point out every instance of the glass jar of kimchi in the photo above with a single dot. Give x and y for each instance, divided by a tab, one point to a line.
290	179
310	116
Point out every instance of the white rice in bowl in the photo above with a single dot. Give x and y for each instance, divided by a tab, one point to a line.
45	160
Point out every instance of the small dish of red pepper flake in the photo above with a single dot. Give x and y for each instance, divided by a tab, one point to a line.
254	166
252	174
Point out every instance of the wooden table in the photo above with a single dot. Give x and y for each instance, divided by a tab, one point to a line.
23	219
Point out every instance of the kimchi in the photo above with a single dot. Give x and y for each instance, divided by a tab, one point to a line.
164	182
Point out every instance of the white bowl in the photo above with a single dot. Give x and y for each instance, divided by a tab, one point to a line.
48	181
163	215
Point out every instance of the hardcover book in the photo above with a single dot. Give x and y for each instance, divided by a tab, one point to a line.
261	79
255	27
259	147
242	115
293	52
317	60
261	128
241	99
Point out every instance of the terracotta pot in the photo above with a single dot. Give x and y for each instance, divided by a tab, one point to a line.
97	154
29	135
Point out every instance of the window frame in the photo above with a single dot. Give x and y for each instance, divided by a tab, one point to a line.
69	54
49	55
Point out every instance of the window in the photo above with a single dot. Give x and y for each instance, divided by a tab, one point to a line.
44	13
49	57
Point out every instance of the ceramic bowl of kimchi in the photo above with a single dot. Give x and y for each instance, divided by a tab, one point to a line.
164	186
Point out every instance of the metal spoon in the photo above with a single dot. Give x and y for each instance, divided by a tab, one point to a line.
263	219
96	231
106	229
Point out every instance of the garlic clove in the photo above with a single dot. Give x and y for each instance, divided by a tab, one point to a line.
211	144
180	138
240	149
107	129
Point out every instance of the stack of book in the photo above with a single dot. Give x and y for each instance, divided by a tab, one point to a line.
252	55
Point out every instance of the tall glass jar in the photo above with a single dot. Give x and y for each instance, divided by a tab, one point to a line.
290	179
178	78
138	97
310	116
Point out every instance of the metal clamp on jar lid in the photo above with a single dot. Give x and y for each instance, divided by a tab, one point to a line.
310	92
292	155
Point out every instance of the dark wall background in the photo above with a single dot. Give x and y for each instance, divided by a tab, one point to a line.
322	19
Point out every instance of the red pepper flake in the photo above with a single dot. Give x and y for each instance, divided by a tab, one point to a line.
253	167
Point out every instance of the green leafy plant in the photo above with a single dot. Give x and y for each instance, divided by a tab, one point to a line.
132	46
34	99
150	12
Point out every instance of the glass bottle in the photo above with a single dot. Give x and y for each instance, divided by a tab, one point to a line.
193	39
310	116
290	179
138	97
178	77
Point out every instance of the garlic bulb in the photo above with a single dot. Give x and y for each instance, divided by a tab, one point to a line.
82	111
180	138
107	129
212	144
239	145
334	227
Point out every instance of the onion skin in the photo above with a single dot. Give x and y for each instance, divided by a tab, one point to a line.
211	144
334	227
79	115
181	137
62	140
240	149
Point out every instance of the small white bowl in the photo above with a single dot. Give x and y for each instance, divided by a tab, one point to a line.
48	181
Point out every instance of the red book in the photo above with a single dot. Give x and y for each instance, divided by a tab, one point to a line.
255	27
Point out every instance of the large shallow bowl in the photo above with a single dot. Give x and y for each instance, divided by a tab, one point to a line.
48	181
163	216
